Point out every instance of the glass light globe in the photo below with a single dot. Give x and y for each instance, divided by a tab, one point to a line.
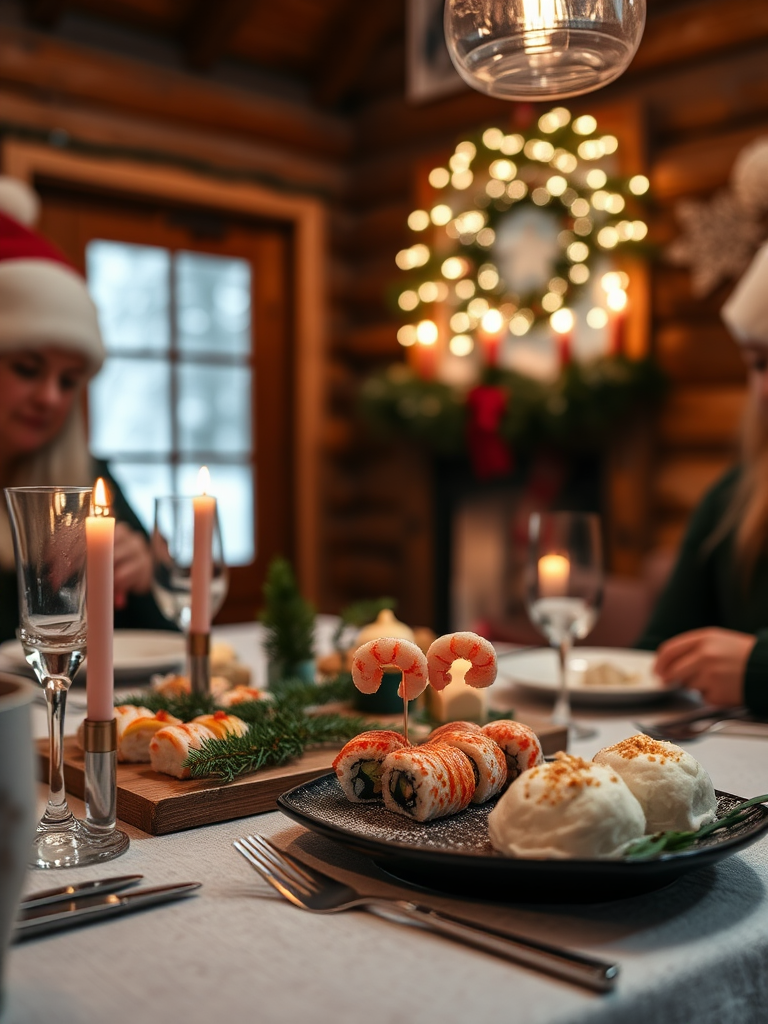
542	49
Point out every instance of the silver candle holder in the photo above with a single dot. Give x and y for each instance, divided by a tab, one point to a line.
199	647
100	746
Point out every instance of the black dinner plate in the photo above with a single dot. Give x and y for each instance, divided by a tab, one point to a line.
455	855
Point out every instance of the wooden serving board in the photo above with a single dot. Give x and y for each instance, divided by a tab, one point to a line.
160	804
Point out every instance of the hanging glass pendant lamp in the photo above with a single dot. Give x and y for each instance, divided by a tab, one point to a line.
542	49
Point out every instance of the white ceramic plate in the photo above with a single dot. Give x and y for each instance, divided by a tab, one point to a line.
137	652
537	671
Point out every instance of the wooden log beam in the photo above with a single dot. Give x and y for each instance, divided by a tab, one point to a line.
63	71
44	13
699	29
702	418
699	352
699	166
351	45
681	479
210	28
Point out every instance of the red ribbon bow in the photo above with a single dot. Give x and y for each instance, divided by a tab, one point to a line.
489	453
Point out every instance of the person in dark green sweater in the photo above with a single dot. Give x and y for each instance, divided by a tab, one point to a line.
710	625
50	344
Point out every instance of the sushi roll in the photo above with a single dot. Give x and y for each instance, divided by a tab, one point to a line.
453	727
520	744
489	766
428	781
241	695
359	763
124	715
222	725
170	746
133	745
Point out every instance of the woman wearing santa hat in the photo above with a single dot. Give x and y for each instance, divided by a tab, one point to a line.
711	623
50	345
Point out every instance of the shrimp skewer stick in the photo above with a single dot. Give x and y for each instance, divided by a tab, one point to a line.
469	646
370	661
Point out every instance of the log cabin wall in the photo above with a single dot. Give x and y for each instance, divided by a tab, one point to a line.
696	92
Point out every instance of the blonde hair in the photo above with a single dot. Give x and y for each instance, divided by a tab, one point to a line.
64	461
746	515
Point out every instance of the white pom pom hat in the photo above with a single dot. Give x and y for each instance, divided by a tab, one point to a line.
43	299
746	311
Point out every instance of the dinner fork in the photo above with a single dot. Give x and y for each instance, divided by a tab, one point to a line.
311	890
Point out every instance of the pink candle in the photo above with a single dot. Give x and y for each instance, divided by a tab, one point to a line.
100	601
202	558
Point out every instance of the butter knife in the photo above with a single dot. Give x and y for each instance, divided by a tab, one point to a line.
40	920
66	892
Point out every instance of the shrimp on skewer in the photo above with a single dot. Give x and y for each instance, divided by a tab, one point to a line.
449	648
370	661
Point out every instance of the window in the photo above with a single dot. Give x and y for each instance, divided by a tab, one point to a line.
175	391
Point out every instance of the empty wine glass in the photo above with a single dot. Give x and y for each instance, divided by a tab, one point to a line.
172	551
48	527
564	588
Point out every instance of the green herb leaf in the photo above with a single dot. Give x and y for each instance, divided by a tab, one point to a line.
672	842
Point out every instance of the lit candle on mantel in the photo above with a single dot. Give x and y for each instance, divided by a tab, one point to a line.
554	575
202	556
616	300
100	601
562	322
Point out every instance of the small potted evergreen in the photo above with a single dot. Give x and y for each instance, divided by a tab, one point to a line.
290	623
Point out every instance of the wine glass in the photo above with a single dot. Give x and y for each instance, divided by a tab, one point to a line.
48	527
172	550
564	588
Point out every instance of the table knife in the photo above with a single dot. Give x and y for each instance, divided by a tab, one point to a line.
66	892
83	909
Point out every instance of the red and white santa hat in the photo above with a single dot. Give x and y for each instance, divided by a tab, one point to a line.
44	300
746	312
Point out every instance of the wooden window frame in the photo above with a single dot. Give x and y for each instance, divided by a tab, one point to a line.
307	217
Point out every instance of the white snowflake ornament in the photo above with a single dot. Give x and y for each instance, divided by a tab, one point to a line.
719	239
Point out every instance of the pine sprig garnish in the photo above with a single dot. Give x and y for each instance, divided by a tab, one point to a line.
277	739
185	706
673	842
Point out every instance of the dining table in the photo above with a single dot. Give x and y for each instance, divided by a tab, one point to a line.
693	952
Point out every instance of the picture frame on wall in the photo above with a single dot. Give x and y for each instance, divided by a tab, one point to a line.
430	73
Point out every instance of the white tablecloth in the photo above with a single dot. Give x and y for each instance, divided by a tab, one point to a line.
694	952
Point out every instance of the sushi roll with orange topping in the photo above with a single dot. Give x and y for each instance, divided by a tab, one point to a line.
124	715
486	757
520	744
133	745
428	781
222	725
359	763
170	747
453	727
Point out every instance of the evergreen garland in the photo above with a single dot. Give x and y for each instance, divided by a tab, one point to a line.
571	412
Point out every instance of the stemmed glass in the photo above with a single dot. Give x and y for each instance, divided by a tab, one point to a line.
564	588
48	526
172	551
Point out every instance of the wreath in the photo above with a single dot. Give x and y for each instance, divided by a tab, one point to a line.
519	223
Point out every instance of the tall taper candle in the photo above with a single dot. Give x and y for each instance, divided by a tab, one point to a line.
100	600
202	556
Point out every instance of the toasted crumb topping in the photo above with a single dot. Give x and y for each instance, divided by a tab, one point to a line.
642	745
566	774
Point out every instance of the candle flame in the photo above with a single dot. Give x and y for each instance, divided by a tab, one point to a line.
203	480
100	498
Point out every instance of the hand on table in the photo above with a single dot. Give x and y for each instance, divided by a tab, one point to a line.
710	660
133	564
